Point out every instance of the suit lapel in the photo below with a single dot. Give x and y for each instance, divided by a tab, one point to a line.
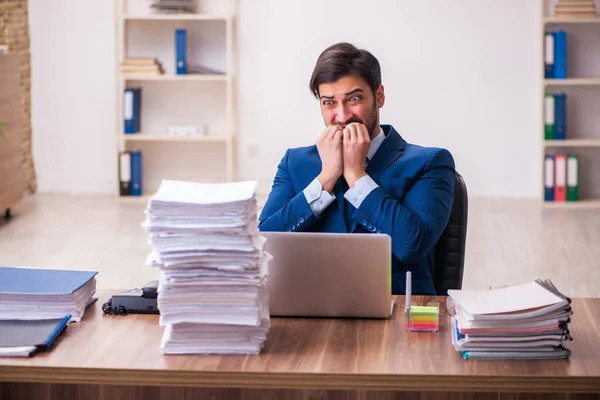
390	150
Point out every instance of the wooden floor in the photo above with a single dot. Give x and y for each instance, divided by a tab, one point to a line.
509	241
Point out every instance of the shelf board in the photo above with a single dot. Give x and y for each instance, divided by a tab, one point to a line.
134	199
593	203
156	137
177	17
572	82
564	20
173	77
572	143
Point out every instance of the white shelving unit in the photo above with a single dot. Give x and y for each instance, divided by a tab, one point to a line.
583	94
171	99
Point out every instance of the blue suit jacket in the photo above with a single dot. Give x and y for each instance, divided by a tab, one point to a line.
412	203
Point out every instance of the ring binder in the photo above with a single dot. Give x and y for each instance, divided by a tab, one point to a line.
548	285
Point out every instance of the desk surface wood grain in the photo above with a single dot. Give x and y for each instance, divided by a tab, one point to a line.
348	354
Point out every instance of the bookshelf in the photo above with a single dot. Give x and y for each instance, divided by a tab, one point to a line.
580	87
203	100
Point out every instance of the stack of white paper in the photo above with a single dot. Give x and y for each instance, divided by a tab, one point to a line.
212	288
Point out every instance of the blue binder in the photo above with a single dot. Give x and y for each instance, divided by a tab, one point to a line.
181	51
560	116
549	178
560	55
136	173
548	55
132	106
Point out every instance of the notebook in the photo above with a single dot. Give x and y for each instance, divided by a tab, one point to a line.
23	338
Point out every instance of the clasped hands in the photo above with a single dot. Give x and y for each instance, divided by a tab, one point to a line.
343	151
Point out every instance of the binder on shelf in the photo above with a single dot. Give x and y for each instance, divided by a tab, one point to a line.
136	172
560	116
560	177
549	115
549	178
560	55
572	178
181	51
548	55
124	174
132	99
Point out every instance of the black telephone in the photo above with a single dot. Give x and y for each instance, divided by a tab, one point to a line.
136	301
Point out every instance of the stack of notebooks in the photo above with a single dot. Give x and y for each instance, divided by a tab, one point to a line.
575	9
529	321
212	293
141	66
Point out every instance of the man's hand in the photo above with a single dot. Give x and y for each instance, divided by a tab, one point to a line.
356	146
329	145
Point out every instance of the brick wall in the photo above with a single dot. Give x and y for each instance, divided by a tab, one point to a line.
14	32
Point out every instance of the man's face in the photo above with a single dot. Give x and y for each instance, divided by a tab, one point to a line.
350	100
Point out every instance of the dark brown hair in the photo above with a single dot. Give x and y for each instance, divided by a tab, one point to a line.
344	59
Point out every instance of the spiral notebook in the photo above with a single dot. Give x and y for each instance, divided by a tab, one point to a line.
528	321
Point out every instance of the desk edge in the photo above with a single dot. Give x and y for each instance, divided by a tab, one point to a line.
324	381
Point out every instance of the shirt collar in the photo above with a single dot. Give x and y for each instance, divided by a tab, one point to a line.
375	143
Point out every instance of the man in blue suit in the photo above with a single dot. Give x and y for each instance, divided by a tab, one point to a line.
362	176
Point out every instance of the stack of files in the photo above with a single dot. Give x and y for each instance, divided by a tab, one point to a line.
575	9
529	321
173	6
141	66
212	293
24	338
31	293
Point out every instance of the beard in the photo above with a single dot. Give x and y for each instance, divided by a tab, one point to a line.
370	123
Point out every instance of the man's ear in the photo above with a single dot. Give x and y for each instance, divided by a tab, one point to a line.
380	96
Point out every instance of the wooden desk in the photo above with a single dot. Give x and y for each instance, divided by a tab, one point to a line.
119	356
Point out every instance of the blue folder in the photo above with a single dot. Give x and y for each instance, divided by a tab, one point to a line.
42	281
37	334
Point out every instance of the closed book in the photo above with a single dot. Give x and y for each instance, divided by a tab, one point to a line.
136	173
572	178
560	116
132	98
181	52
548	55
549	116
560	177
549	178
560	55
124	174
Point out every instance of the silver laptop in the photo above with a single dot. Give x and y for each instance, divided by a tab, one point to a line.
329	274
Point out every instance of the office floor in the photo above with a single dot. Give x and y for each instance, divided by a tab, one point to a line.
509	241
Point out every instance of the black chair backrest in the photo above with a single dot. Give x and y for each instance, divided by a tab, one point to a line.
449	260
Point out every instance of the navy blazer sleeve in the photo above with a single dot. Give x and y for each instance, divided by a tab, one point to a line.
285	210
415	223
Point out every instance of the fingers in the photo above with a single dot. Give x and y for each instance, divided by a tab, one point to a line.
363	132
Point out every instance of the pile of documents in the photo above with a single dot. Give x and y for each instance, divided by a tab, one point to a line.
141	66
212	293
575	9
529	321
173	6
34	294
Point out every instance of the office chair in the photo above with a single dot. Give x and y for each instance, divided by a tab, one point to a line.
449	259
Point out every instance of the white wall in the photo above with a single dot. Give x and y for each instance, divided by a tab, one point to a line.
465	75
